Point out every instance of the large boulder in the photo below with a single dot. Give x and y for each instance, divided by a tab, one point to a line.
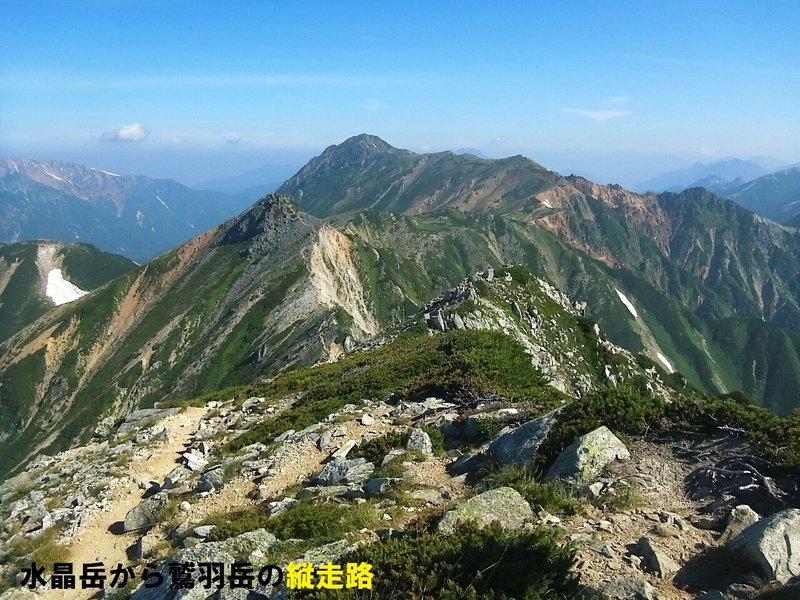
419	441
771	546
656	559
519	446
628	588
741	518
145	514
252	547
504	505
583	461
341	470
213	479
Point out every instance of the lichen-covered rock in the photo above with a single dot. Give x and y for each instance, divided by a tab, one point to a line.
341	470
145	514
419	441
519	446
656	559
741	518
212	479
504	505
771	546
628	588
252	547
585	459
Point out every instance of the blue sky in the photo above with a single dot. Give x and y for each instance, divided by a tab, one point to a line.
195	90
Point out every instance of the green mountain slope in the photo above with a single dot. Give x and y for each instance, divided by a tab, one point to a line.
775	196
691	281
24	269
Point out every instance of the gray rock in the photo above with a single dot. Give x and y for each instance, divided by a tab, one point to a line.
328	552
194	462
249	547
519	446
145	546
586	458
345	449
712	595
145	514
656	559
393	454
325	441
142	417
771	545
472	425
628	588
203	531
419	441
429	496
279	506
741	518
379	486
368	420
503	505
175	476
341	470
211	480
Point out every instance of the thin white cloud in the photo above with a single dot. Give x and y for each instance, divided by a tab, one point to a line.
617	100
597	115
233	138
130	133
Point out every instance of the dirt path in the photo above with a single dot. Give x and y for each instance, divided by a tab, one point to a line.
94	541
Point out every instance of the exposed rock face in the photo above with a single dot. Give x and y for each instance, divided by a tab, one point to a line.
586	458
628	588
212	479
340	470
656	559
741	518
420	441
519	446
145	514
503	505
771	546
246	547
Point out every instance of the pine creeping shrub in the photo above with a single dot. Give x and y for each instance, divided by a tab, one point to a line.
485	362
473	563
552	496
318	523
623	409
376	449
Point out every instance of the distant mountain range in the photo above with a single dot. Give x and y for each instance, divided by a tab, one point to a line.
688	281
134	216
704	175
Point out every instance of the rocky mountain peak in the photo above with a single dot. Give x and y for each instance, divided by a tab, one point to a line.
270	217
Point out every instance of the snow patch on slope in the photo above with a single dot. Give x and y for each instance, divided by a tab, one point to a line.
61	291
628	304
665	361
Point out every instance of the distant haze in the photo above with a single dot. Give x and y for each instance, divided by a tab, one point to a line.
199	92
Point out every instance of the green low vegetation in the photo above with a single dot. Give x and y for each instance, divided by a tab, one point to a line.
485	362
489	563
552	496
317	523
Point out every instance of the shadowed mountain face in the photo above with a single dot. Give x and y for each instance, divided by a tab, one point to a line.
692	281
775	196
130	215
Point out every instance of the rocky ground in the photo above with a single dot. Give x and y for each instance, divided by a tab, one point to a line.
641	524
